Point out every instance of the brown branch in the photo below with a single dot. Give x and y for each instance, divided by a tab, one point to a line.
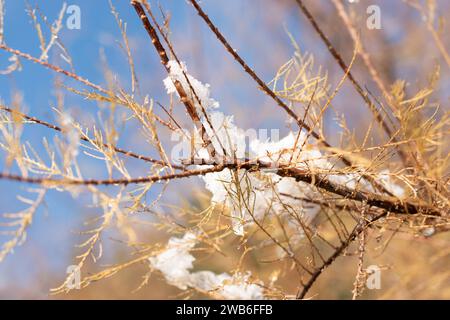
320	181
188	103
362	52
328	203
96	182
384	202
352	79
360	227
191	88
106	145
269	92
74	76
253	74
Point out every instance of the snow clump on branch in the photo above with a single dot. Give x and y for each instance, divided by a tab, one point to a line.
175	262
251	196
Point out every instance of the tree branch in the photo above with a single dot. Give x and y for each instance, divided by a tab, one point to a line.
106	145
352	79
391	204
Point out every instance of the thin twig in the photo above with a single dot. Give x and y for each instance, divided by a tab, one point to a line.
253	74
188	103
384	202
352	79
360	227
55	68
106	145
